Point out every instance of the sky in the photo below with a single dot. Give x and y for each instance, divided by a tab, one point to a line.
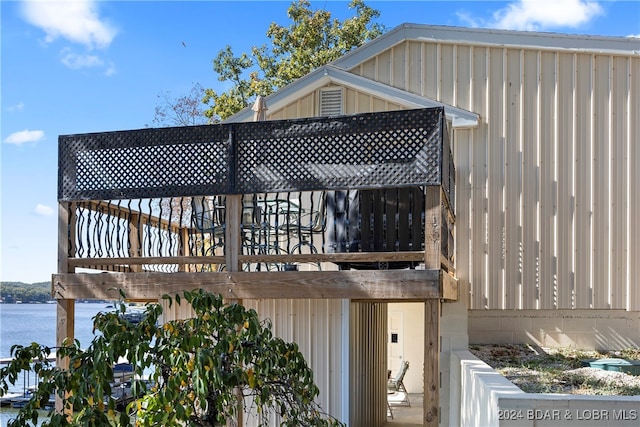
71	67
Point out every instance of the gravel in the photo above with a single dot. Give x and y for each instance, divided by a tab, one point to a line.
545	370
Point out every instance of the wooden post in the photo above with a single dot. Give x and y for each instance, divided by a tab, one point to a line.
433	249
431	400
134	241
65	312
233	218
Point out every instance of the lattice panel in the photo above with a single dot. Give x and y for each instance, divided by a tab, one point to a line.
374	150
144	163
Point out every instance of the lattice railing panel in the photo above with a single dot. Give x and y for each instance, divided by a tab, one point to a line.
373	150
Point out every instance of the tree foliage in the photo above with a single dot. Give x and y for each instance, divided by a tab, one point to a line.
313	39
25	292
185	110
199	367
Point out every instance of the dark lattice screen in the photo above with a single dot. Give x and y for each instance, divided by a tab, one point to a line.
373	150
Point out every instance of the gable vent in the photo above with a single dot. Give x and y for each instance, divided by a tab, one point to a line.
331	101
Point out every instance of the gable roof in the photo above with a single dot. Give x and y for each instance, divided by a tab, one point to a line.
330	74
487	37
336	72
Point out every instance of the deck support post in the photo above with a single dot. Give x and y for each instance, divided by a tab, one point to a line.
65	311
233	215
432	249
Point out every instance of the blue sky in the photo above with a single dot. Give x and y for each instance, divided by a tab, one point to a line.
77	67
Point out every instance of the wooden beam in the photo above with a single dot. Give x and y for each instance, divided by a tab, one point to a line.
390	285
417	256
431	402
448	286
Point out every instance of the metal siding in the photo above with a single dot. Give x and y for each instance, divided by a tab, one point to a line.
350	104
600	190
633	260
462	156
495	261
431	77
363	103
479	170
530	191
583	184
513	181
547	134
378	105
447	74
414	68
463	77
308	323
566	195
619	183
553	168
384	66
368	69
398	66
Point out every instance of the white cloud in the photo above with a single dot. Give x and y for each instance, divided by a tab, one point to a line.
75	61
534	15
23	136
43	210
75	20
16	108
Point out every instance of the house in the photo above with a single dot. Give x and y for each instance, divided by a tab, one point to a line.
547	173
544	131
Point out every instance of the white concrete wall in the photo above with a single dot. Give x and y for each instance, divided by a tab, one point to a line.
453	337
584	329
488	399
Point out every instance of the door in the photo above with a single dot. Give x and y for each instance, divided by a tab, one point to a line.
395	341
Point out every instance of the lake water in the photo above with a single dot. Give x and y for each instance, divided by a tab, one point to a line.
26	323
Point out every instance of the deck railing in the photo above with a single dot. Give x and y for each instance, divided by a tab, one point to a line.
346	190
363	229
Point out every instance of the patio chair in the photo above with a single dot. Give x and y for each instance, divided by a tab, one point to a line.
396	385
207	220
304	226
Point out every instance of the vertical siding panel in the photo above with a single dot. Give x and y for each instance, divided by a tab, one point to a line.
601	189
619	185
495	265
335	363
548	297
350	102
462	158
634	186
414	68
430	70
369	68
566	91
398	66
583	174
447	74
307	106
512	183
363	103
378	105
384	66
463	78
479	179
530	192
